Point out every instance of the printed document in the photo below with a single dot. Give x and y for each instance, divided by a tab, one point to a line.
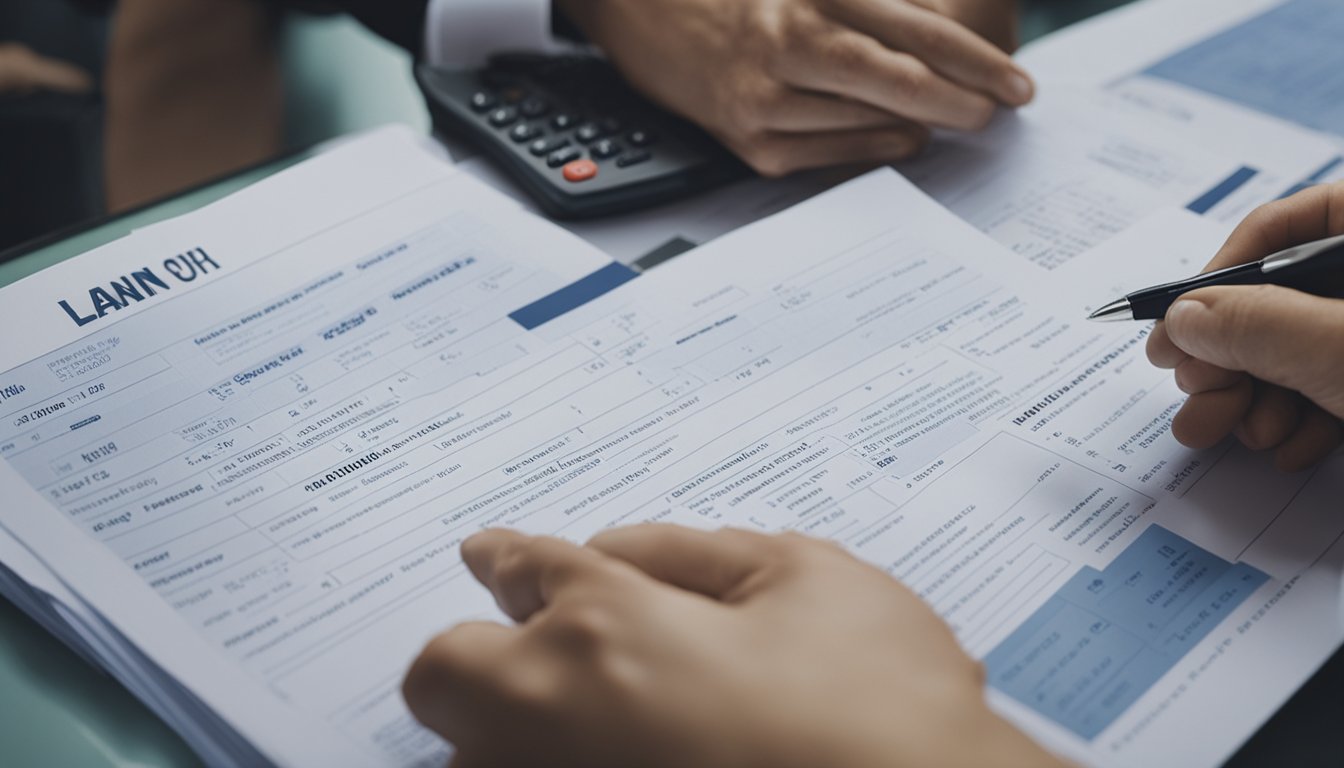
1213	107
252	452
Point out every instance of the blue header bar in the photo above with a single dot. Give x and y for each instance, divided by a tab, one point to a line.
573	296
1224	190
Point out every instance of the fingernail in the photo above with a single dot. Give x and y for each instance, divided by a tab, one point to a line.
1020	88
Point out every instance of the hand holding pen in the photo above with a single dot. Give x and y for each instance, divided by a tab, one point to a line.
1264	362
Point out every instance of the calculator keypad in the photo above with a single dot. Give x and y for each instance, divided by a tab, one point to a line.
534	106
580	171
544	147
483	101
576	145
561	157
573	135
634	158
504	117
605	149
588	133
524	132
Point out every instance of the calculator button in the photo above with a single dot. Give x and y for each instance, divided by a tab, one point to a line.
634	158
580	170
563	156
641	138
563	121
483	101
543	147
534	106
513	95
588	133
605	148
504	117
611	125
524	132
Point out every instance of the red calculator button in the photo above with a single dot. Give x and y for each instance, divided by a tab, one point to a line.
580	170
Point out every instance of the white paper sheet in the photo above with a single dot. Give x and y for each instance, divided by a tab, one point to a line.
678	226
263	519
379	205
892	382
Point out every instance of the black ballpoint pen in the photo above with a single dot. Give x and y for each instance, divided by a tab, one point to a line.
1316	268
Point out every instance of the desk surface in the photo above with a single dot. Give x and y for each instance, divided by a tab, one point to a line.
59	711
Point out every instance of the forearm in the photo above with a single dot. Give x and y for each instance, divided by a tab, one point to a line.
193	92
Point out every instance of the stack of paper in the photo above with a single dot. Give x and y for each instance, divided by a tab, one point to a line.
269	275
241	448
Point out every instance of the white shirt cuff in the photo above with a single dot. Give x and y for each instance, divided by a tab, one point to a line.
467	32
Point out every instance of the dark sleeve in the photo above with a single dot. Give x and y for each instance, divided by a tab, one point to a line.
401	21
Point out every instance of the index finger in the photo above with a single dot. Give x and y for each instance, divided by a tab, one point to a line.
947	47
526	573
1312	214
712	563
450	684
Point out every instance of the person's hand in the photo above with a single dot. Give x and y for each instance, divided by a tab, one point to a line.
1264	363
23	71
994	20
667	647
795	84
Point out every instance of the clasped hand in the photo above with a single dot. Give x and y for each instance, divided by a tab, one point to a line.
795	84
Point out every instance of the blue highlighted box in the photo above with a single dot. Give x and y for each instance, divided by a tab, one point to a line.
1287	62
1324	170
573	296
1316	178
1224	190
1106	637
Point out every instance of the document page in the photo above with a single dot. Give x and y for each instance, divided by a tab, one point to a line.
185	354
1213	107
1082	165
653	235
263	480
1108	47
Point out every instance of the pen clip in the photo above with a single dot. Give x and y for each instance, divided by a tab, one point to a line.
1299	254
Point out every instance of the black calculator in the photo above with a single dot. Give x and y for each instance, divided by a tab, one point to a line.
574	135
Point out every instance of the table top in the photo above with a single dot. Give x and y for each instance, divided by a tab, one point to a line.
60	711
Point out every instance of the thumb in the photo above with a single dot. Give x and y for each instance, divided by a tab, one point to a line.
1275	334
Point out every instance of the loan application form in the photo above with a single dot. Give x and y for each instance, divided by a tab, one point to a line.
253	449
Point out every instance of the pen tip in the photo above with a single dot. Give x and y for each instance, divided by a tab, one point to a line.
1115	311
